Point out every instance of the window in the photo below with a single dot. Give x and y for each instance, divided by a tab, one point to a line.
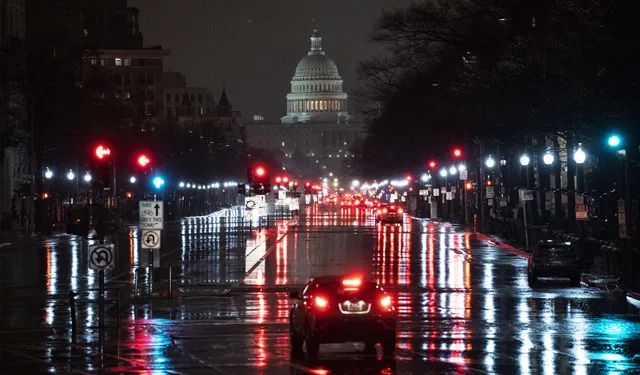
177	96
199	98
193	97
118	61
93	61
127	80
168	98
127	62
150	95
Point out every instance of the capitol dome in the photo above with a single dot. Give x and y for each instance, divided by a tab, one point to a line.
316	89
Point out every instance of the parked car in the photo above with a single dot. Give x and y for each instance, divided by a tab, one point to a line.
554	259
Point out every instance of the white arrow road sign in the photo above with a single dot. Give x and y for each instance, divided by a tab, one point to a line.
151	214
151	239
102	257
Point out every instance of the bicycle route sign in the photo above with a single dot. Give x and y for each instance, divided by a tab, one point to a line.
102	257
151	214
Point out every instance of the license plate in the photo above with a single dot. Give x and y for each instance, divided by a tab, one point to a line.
352	307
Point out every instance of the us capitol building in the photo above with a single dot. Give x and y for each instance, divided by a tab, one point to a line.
317	136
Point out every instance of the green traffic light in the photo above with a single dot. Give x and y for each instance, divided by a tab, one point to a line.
614	141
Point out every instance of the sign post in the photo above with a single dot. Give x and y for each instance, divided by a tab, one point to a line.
101	257
525	196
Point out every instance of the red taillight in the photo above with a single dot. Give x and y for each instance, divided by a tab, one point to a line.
321	302
400	210
384	210
385	302
379	211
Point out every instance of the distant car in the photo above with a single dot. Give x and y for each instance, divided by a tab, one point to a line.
389	214
335	309
554	259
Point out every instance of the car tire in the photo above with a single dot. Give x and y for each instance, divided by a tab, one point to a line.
370	347
313	346
296	341
575	280
389	344
532	279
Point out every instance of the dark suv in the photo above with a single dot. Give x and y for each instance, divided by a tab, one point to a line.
554	259
334	309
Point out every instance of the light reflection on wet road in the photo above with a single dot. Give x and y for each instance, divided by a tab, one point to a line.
464	305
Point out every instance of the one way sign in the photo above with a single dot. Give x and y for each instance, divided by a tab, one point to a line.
151	214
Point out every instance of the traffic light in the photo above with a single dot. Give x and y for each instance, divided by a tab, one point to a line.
158	182
102	165
102	152
468	186
456	152
614	141
143	161
432	164
308	189
259	179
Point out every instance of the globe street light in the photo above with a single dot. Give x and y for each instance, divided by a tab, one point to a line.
579	156
452	170
425	177
87	177
181	184
548	158
524	160
71	175
462	167
48	174
443	172
133	179
490	162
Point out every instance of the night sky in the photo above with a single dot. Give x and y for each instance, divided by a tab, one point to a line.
253	46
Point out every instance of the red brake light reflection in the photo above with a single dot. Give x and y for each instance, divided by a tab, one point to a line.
400	210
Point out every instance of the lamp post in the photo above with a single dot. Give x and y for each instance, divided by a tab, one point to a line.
616	142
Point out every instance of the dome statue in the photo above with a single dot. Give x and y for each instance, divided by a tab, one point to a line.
316	89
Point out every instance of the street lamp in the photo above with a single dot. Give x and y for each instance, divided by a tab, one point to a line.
452	170
425	177
490	162
443	172
181	184
71	175
133	179
579	156
462	167
548	158
524	160
87	177
48	174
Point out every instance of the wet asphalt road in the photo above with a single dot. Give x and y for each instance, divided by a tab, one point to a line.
464	304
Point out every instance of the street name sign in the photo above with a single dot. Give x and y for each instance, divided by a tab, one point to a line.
151	214
102	257
526	195
151	239
490	193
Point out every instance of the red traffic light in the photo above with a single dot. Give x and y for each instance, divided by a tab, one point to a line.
102	152
432	164
285	179
260	171
143	160
457	152
468	186
307	184
278	180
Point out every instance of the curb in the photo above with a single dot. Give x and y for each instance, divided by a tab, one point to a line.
503	245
